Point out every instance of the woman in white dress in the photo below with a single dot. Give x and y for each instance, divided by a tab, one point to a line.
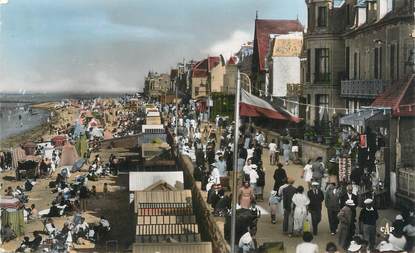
301	201
307	173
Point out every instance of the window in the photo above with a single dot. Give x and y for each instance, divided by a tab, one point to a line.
308	70
392	56
322	16
322	103
322	65
355	65
378	63
309	17
347	62
348	14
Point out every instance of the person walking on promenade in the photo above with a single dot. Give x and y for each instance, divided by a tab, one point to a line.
346	224
273	201
286	147
348	195
307	173
307	246
273	153
280	177
332	201
367	223
287	196
316	197
318	170
301	201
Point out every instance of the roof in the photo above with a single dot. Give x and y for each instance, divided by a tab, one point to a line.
264	27
399	97
287	45
200	247
203	67
139	181
232	60
360	118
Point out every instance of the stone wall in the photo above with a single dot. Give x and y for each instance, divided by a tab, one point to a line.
208	226
308	150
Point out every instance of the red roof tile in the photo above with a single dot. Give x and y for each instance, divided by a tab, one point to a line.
232	60
263	28
399	97
213	62
203	67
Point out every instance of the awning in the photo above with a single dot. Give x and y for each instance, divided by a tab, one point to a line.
253	106
360	118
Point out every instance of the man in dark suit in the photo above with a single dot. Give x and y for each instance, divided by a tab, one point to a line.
287	196
316	197
348	195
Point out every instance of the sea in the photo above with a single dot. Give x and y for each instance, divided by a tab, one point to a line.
17	116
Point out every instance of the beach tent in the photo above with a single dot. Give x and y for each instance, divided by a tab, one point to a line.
58	140
29	147
96	132
78	165
81	145
92	123
18	154
78	130
69	155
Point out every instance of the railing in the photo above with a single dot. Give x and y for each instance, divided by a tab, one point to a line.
363	88
406	182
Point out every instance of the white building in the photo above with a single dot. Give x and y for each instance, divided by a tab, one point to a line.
283	62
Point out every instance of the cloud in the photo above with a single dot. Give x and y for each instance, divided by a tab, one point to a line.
230	45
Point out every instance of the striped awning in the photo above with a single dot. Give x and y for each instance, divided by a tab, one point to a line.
18	154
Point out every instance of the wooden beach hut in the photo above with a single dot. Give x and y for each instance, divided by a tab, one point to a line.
197	247
18	154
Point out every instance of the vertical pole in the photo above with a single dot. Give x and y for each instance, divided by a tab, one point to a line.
235	164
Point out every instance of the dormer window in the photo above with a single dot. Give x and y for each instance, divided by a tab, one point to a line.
322	16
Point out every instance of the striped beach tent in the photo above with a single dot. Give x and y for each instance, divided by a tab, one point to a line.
18	154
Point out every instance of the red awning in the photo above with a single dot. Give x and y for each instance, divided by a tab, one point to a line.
253	106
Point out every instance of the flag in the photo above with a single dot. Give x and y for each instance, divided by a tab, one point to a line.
253	106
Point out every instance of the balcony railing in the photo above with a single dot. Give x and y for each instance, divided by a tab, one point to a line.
363	88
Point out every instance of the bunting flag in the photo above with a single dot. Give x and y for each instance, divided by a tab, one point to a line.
253	106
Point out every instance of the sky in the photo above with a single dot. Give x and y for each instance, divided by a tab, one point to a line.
110	45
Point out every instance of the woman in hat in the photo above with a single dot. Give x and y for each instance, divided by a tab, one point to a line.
354	247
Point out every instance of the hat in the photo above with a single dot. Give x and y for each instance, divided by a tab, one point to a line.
354	246
254	166
368	201
399	217
315	183
274	193
218	152
350	202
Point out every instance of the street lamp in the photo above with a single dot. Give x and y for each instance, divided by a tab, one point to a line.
235	163
248	78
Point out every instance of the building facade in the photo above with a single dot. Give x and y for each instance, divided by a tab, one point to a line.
156	84
353	50
263	30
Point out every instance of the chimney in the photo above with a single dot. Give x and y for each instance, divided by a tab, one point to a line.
371	11
361	14
382	8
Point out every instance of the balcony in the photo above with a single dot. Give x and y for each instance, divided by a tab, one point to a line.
368	89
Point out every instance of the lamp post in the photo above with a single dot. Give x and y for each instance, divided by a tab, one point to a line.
235	164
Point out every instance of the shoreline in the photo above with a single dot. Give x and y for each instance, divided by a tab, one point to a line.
34	133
